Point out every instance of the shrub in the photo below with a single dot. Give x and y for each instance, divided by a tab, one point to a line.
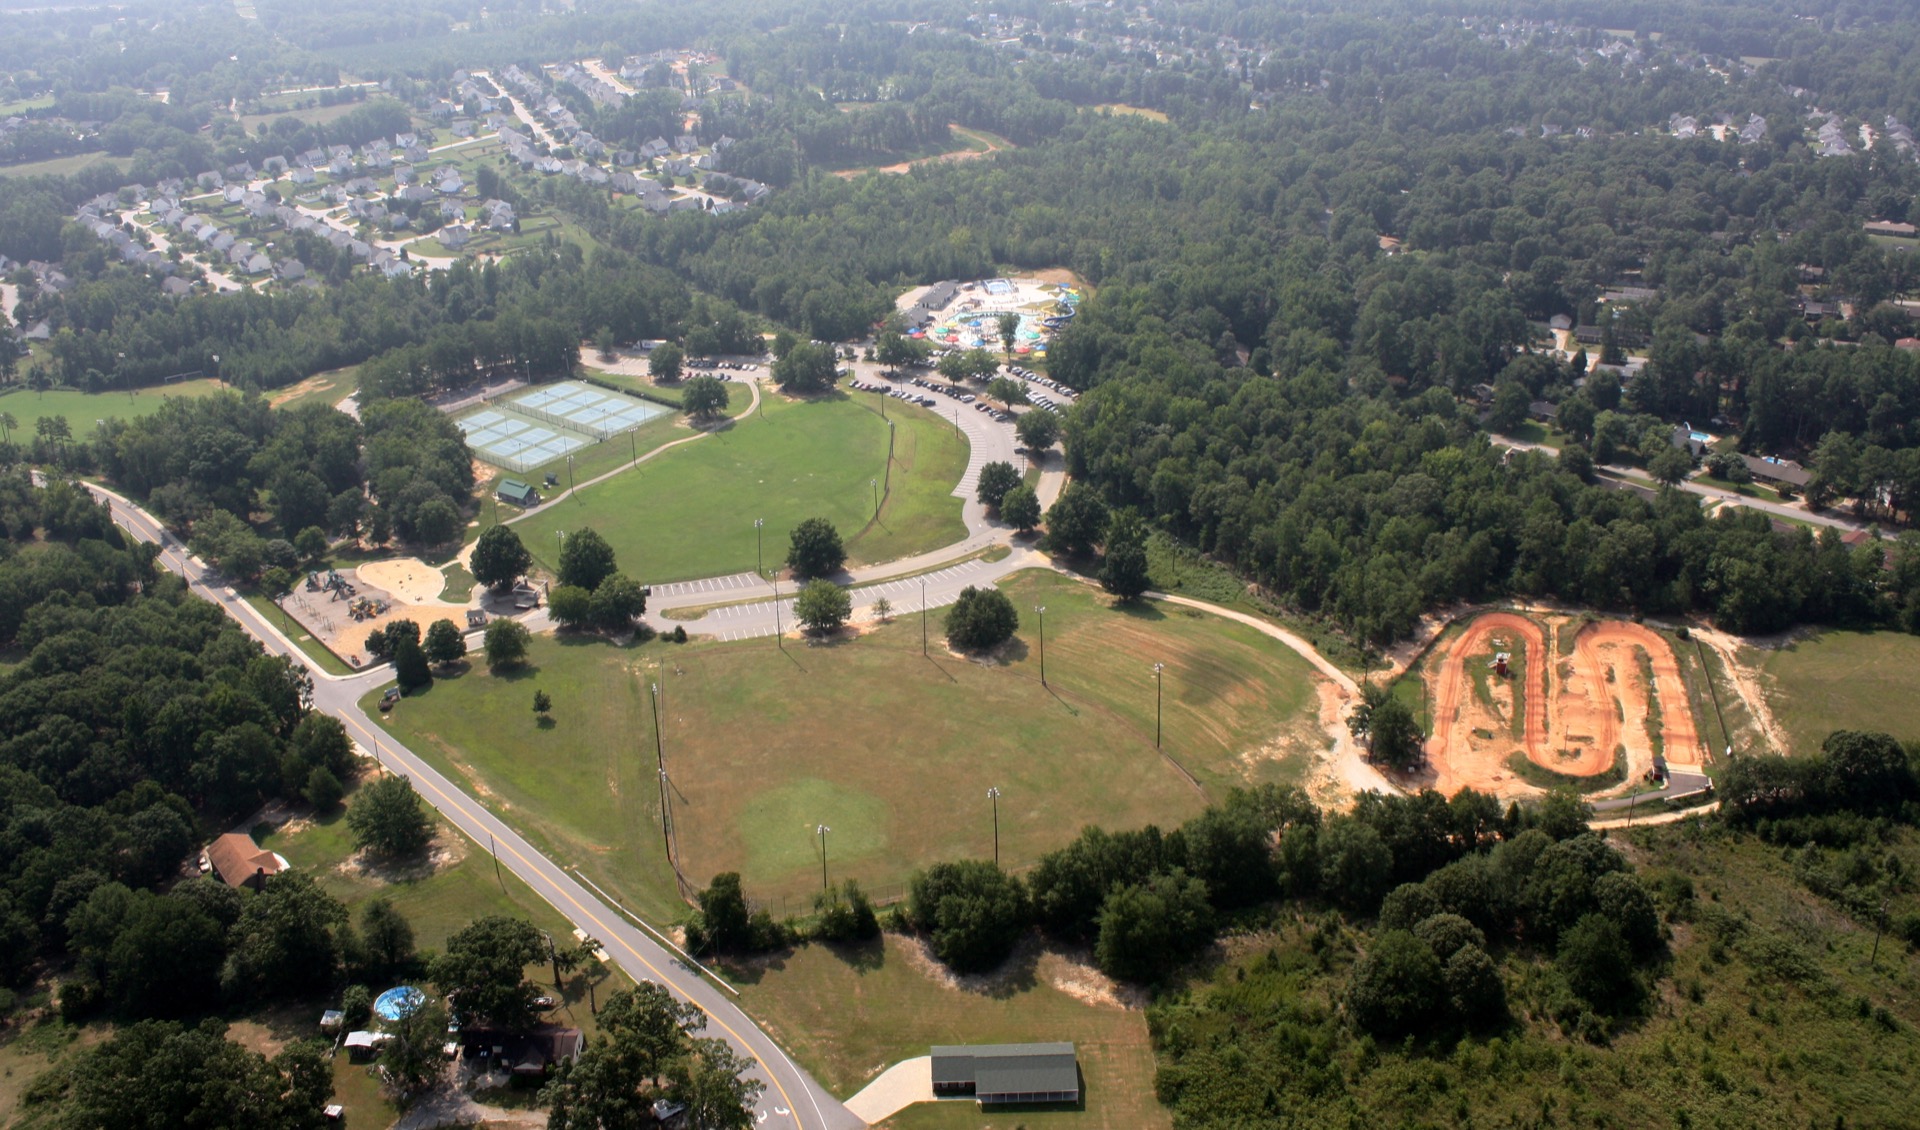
981	619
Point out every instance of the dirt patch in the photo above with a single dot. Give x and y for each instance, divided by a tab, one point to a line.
1075	976
1746	682
446	850
408	578
968	154
255	1037
1619	690
294	392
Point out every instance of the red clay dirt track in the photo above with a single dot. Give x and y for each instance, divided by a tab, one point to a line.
1603	701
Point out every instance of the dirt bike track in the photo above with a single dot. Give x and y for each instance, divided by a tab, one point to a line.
1620	690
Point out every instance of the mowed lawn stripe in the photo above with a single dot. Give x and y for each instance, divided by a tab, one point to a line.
892	751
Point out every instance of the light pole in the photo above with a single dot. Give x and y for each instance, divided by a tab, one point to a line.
779	633
660	762
759	562
216	368
923	617
633	444
821	830
1041	611
1157	668
993	794
126	376
570	484
874	484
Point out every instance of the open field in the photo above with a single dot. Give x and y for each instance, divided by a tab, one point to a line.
63	166
690	512
1582	700
329	387
847	1013
1122	108
312	115
82	408
1834	680
762	744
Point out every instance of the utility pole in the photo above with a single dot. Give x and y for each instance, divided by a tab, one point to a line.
571	487
660	761
993	794
1157	668
821	830
1041	611
923	617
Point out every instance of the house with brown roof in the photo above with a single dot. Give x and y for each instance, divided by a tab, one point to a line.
242	863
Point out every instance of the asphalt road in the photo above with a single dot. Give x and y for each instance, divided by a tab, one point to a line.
1631	476
792	1099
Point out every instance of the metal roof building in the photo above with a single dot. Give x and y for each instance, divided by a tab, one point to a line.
1008	1073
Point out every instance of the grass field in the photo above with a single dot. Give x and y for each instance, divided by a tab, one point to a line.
1843	681
329	387
82	408
63	166
846	1013
690	512
763	744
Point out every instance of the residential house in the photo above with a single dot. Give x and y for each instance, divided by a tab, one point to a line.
239	862
1777	472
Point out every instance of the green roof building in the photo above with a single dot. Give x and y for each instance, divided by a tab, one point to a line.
518	493
1007	1073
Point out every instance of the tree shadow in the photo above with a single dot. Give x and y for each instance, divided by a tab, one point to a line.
545	722
1139	609
518	673
863	956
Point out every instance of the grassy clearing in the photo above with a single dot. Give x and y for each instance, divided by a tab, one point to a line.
1134	111
315	115
1749	490
690	513
847	1013
22	105
329	387
1843	680
1531	431
64	166
762	744
82	408
459	584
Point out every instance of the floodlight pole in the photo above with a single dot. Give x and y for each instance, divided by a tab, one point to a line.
660	762
993	794
923	617
1041	611
779	633
875	485
571	487
1157	668
633	445
821	830
759	561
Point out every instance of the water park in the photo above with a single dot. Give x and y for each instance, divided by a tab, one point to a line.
967	315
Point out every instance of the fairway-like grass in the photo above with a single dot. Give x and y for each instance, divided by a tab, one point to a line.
1843	681
83	408
690	512
846	1014
892	751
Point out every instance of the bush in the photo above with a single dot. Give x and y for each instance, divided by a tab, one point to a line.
981	619
845	915
974	911
357	1005
1594	957
323	789
1474	987
1396	985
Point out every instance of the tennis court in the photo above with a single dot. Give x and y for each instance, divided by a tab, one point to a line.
583	408
509	440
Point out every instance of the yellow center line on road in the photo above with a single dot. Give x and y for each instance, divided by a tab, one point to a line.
458	801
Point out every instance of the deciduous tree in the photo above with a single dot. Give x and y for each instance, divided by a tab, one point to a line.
500	559
822	606
388	818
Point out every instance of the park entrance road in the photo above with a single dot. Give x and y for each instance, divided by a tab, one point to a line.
791	1100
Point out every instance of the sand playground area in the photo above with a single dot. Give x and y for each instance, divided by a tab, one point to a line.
1575	697
371	596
